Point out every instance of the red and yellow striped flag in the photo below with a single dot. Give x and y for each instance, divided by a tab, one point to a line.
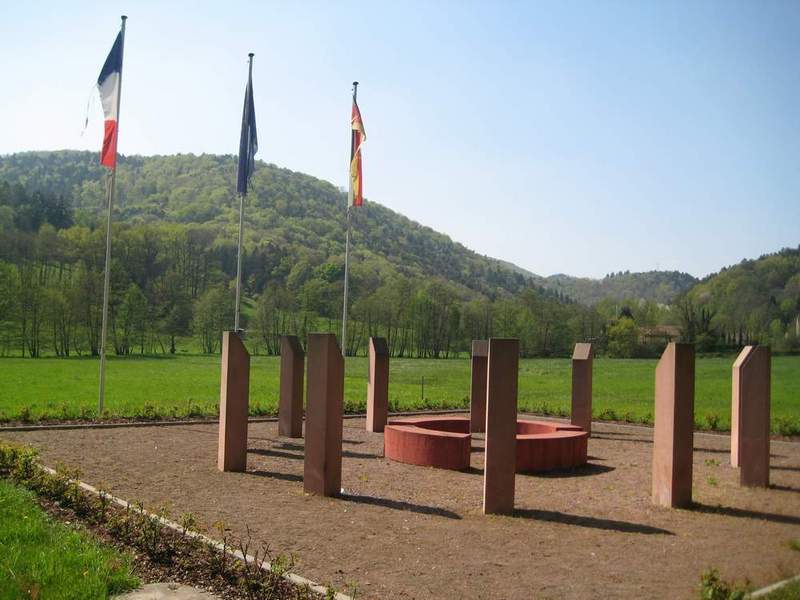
359	136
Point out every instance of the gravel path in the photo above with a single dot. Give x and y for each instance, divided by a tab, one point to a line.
411	532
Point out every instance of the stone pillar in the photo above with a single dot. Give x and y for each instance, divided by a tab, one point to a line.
582	387
290	406
322	468
477	404
233	404
750	416
378	384
674	427
501	426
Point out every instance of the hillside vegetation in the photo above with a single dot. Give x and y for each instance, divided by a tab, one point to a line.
285	209
174	260
174	263
756	301
659	286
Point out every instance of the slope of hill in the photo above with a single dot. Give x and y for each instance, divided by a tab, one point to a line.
174	260
660	286
285	208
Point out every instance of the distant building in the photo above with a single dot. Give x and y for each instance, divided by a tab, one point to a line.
661	334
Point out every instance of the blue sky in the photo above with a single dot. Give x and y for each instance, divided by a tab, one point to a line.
573	137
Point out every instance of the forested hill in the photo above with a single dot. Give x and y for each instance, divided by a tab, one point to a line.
656	286
756	301
174	261
302	215
659	286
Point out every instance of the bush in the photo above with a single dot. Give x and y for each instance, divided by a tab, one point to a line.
148	412
608	415
712	421
786	426
712	587
25	414
623	338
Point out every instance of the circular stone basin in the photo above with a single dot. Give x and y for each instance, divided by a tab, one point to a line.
445	442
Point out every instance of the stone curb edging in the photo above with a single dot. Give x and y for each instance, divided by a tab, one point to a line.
266	566
773	587
64	426
121	424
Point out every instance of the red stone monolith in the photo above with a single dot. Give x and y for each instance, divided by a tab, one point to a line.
674	427
378	384
322	469
501	426
233	404
582	387
477	403
750	416
290	406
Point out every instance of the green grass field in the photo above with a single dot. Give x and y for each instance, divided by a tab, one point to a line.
788	592
184	385
45	559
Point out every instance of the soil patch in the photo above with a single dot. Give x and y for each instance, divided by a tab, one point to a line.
403	531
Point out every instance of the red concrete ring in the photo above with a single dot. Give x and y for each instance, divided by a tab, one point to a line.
445	442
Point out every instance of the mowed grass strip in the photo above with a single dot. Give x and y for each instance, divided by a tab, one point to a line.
42	558
188	385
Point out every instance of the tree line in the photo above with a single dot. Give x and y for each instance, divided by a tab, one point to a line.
171	286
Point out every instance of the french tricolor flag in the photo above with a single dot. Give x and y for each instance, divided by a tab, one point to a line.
109	84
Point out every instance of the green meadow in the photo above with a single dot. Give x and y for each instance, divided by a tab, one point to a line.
188	385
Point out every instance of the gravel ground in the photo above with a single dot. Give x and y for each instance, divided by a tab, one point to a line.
402	531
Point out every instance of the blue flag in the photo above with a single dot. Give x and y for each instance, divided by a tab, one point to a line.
248	143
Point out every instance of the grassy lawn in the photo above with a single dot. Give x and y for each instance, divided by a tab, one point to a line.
788	592
45	559
189	384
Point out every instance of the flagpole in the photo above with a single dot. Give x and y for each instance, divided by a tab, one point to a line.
346	282
239	263
107	276
241	234
347	237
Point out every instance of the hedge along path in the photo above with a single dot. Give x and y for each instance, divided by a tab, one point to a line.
214	421
237	554
119	425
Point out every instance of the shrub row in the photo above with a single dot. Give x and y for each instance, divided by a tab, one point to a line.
181	554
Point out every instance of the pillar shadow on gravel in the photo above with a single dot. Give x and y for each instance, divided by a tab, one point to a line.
612	437
401	505
586	470
233	404
275	475
294	456
322	465
744	513
591	522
